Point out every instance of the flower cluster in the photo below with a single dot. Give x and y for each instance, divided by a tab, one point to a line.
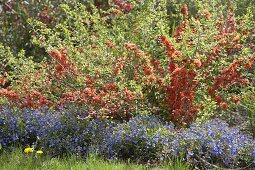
45	16
181	90
229	76
143	138
123	6
64	65
9	130
58	132
213	142
31	99
28	150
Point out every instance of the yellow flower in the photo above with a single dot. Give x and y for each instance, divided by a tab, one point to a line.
39	152
28	150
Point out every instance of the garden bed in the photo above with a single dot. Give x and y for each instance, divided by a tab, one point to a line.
148	82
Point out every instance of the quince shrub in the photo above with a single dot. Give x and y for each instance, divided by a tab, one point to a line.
123	61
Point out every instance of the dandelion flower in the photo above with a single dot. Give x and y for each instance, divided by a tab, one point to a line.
39	152
28	150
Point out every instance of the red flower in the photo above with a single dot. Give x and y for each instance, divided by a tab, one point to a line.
248	65
130	46
178	53
45	11
128	6
197	63
59	68
224	106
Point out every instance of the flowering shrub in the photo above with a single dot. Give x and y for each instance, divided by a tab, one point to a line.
121	60
57	132
213	143
143	138
90	64
9	128
72	135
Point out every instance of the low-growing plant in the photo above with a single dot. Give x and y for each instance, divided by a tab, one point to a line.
211	144
144	139
141	139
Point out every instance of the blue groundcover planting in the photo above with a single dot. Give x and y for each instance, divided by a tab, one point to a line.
143	138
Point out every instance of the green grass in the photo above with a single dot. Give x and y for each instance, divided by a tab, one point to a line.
17	160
